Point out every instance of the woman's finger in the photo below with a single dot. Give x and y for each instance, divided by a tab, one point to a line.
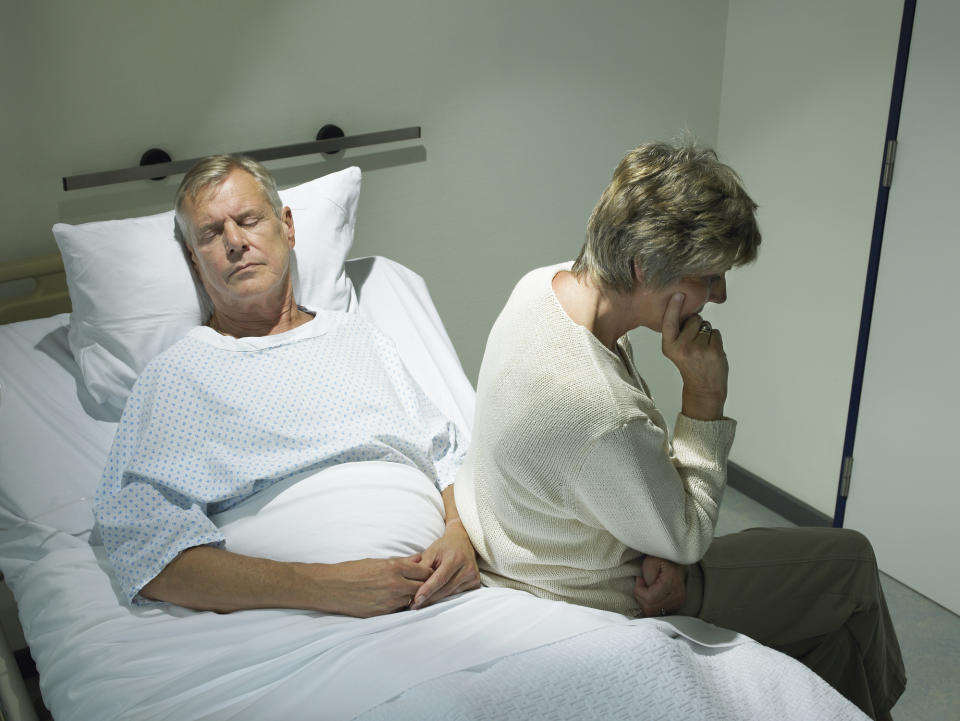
459	581
413	570
716	340
691	328
670	328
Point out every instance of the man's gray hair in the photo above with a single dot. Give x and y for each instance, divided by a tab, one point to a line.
211	172
675	210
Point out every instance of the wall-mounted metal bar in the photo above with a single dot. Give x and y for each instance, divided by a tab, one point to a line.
109	177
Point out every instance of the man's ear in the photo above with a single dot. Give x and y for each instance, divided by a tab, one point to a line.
193	257
286	218
185	245
637	272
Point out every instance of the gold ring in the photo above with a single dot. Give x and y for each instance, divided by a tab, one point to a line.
705	327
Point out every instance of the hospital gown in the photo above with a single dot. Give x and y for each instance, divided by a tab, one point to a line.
214	420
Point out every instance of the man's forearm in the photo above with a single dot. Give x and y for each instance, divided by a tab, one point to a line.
212	579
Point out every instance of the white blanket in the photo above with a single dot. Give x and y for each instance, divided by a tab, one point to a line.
492	653
646	670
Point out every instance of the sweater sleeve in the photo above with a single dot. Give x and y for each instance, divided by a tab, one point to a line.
655	499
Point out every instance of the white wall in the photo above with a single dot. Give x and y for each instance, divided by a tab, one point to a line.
525	108
803	112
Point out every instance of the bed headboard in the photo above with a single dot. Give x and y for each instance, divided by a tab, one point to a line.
48	296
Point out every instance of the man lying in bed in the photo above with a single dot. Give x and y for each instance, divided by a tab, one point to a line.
265	391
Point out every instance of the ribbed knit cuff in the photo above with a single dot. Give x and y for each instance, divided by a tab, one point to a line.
710	439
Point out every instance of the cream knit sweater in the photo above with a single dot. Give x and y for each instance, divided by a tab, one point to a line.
571	474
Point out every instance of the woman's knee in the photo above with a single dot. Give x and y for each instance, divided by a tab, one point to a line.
855	544
855	552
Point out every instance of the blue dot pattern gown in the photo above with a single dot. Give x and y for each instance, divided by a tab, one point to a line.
214	419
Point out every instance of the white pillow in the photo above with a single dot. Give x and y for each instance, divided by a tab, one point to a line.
346	512
132	288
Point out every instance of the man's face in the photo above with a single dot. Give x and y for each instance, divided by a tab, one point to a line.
239	247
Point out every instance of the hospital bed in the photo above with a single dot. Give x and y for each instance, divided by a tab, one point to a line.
484	654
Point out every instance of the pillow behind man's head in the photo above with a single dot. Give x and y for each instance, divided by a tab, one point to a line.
133	293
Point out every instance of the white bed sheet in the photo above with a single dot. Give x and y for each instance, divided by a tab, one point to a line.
492	653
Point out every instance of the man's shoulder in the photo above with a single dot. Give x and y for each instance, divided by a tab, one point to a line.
183	347
172	361
361	328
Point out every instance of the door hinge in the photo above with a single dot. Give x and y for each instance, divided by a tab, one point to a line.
889	157
845	472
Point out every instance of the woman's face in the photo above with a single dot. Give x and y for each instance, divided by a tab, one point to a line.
698	290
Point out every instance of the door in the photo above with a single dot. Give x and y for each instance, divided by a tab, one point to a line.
905	483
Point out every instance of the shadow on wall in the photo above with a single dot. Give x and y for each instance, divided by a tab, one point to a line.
145	197
286	177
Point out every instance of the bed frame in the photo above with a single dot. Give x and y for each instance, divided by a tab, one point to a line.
49	295
15	701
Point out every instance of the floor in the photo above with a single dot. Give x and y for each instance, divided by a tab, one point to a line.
929	634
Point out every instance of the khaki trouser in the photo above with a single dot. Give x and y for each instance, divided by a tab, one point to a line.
812	593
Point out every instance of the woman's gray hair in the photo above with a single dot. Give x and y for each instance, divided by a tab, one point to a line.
676	211
212	171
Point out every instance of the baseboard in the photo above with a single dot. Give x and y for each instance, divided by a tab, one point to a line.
777	500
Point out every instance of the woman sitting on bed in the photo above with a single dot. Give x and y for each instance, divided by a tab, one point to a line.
572	477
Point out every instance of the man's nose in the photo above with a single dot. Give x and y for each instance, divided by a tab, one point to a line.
718	290
233	236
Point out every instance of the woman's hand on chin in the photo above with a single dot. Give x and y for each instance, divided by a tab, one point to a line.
696	349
